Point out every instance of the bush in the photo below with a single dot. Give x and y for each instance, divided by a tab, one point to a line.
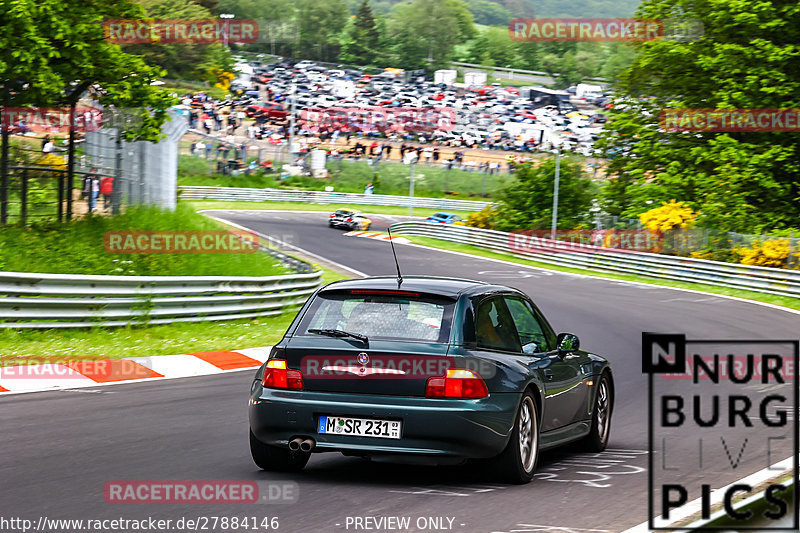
767	253
482	219
669	215
527	202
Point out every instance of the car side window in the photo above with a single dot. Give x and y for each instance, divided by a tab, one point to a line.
532	334
494	328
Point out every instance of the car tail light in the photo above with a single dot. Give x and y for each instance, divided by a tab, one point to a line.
277	376
457	383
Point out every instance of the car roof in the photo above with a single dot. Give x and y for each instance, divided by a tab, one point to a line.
443	286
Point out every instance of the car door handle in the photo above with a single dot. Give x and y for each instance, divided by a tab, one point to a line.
548	373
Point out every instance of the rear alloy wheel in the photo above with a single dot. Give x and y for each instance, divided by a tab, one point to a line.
276	459
597	439
517	462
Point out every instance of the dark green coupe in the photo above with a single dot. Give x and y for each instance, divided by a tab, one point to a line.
430	370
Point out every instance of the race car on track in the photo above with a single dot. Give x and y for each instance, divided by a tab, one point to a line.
351	220
444	218
430	370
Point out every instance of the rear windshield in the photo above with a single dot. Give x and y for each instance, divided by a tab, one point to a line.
401	317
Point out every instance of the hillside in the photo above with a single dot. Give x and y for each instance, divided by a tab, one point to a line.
499	11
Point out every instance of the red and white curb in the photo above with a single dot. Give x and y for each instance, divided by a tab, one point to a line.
82	374
379	236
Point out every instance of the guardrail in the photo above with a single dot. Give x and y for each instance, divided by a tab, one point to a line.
191	192
760	279
518	71
31	300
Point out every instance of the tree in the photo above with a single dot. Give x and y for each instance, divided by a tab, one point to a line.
426	31
319	25
492	47
527	202
193	61
529	55
51	51
362	43
748	58
619	58
278	24
488	12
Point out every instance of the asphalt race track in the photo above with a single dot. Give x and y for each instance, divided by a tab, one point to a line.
58	449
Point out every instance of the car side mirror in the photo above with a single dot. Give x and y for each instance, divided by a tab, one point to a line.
567	342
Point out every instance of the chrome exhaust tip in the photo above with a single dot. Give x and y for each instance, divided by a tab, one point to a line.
295	443
307	445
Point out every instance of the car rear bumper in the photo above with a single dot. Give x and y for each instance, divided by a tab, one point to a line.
435	427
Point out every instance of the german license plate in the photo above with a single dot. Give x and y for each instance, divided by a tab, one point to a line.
360	427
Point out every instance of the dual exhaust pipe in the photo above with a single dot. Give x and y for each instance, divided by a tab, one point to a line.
302	444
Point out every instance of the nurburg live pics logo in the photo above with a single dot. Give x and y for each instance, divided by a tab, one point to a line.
720	410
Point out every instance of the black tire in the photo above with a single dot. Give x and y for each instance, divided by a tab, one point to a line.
514	465
276	459
597	439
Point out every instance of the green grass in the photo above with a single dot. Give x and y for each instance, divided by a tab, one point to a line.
19	347
783	301
353	176
511	83
302	206
80	344
77	247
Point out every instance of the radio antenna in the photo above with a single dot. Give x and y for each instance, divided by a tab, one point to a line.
396	264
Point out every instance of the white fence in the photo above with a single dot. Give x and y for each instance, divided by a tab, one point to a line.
322	197
760	279
32	300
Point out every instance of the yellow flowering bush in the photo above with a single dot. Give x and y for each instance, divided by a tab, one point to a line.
669	215
702	254
482	219
51	160
223	78
767	253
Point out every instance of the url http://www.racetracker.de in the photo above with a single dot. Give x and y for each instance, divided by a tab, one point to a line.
198	523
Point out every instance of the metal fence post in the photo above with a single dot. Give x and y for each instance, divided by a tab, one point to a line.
116	194
61	197
23	210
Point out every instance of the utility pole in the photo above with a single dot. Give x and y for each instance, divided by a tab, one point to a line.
291	124
411	158
553	226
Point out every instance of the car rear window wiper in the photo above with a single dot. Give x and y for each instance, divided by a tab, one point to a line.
340	333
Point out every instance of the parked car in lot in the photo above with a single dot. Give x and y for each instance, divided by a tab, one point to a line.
430	370
273	110
351	220
444	218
